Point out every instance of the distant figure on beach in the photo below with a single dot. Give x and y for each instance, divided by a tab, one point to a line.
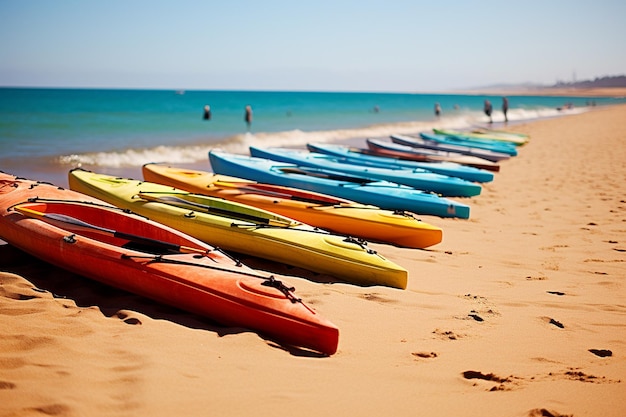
376	109
505	108
488	110
248	116
437	110
207	112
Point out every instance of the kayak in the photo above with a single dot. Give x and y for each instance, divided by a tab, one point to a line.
484	136
362	156
417	178
383	194
245	229
93	239
501	147
412	153
486	130
423	142
321	210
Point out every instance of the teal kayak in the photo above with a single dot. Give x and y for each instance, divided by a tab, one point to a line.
384	194
360	156
478	144
422	143
414	177
404	152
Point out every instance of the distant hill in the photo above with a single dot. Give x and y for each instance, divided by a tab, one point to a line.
604	82
618	81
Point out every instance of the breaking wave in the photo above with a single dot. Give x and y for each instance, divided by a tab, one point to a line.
294	138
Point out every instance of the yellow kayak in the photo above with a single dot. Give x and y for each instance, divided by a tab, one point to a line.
341	216
245	229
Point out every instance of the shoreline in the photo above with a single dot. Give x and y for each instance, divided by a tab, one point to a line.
48	163
52	170
501	318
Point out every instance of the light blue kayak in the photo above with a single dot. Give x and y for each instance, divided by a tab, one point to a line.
456	140
384	194
414	177
385	148
364	157
420	142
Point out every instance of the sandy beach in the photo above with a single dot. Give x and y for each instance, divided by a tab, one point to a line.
520	311
557	91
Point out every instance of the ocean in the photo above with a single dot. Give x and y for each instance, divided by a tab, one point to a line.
46	132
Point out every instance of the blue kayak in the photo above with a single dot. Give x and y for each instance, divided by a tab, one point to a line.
384	148
420	142
365	157
384	194
456	140
416	177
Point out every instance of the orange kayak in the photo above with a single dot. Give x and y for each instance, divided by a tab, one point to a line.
327	212
98	241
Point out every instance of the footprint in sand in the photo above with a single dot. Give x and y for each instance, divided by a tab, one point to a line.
53	410
425	355
476	317
553	322
7	385
377	297
576	375
543	412
128	320
538	278
556	323
485	310
446	335
603	353
492	378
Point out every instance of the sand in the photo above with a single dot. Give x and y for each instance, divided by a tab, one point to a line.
520	311
554	91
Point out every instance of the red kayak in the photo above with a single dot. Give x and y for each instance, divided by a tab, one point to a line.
93	239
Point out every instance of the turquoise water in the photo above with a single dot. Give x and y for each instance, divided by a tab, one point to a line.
48	131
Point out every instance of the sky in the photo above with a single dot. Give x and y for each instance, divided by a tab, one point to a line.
337	45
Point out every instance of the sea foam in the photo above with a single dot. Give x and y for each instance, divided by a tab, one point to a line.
296	138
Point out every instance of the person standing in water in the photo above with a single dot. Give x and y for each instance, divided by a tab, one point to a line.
505	108
488	110
437	109
207	112
248	116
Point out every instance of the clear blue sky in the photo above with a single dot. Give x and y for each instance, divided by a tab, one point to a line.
337	45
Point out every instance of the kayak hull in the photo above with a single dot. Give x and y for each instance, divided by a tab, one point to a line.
490	145
204	281
293	243
383	194
325	211
413	177
362	156
422	142
412	153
